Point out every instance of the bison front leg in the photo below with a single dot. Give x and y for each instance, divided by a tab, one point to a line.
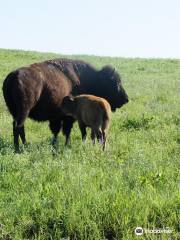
55	126
67	126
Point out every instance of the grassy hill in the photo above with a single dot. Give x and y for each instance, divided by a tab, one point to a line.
82	192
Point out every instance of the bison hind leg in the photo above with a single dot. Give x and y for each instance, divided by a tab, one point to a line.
18	128
18	131
16	136
22	135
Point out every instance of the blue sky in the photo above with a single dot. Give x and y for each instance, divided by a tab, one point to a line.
126	28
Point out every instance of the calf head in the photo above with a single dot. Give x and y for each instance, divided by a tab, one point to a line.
68	106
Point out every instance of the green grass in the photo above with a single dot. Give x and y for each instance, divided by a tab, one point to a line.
82	192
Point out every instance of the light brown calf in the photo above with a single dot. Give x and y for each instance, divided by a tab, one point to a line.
90	111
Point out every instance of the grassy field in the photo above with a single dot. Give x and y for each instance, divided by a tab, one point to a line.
83	193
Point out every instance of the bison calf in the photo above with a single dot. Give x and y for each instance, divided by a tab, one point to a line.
90	111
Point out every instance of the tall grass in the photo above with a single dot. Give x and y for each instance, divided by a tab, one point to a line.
81	192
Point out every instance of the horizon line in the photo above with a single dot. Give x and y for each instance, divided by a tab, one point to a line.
87	54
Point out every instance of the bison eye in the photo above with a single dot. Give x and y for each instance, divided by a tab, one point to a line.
115	84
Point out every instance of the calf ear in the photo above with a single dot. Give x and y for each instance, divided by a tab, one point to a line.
68	99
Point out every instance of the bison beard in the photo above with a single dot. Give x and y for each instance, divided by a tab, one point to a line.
37	90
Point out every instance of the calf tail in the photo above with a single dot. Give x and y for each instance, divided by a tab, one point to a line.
105	123
105	126
7	92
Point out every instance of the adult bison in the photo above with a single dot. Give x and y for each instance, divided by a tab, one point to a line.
36	91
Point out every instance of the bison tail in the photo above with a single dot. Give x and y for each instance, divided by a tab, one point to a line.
7	92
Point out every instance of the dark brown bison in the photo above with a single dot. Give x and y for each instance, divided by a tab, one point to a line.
90	111
37	90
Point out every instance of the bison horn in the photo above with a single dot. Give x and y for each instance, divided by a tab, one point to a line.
109	70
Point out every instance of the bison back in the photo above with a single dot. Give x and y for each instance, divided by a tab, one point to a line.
37	89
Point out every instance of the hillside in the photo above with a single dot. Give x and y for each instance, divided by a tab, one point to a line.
81	192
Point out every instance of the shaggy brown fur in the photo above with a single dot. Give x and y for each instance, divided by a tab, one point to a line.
90	111
37	90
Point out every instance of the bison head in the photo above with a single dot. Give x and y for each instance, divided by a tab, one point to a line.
111	87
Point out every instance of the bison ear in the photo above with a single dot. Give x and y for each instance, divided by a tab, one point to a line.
107	71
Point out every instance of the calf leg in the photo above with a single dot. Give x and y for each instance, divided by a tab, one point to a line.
99	135
82	127
55	126
67	126
93	136
104	139
105	127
